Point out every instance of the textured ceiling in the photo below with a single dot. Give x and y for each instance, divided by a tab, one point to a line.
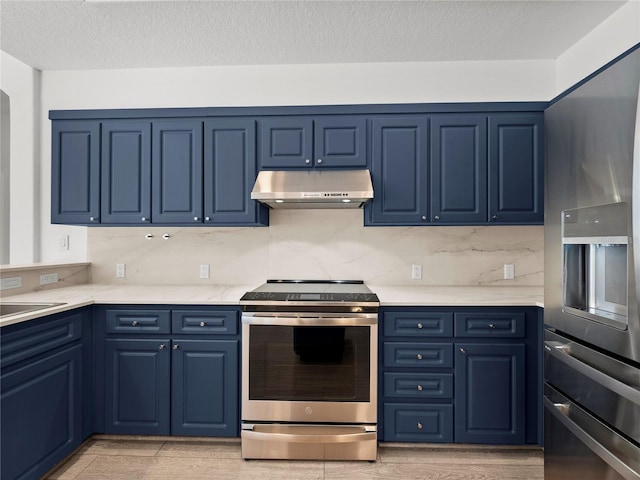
107	34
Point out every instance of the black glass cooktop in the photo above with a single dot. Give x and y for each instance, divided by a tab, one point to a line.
312	291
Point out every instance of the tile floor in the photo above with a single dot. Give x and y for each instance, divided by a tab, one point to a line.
155	458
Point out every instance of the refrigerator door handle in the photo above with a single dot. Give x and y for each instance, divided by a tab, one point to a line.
601	440
562	352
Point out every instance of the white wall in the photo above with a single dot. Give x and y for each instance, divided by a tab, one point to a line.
22	84
275	85
611	38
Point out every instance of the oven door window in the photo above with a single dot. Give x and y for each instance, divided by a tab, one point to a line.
308	363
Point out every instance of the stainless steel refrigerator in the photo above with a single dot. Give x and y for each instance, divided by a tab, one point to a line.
592	278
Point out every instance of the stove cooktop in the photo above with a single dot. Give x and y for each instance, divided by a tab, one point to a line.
313	291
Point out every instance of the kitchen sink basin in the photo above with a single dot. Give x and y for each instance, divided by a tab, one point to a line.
15	308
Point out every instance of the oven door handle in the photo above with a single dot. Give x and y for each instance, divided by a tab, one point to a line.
310	320
249	432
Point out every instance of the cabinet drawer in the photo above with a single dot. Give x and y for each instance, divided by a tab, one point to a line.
406	354
418	423
20	343
133	321
509	324
418	324
205	321
418	385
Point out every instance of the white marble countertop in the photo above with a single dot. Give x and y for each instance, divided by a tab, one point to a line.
82	295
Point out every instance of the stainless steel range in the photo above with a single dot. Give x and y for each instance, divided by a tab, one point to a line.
309	370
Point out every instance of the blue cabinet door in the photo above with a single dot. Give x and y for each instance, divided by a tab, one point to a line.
126	172
230	171
334	141
340	141
177	171
399	171
458	169
137	386
204	390
75	172
490	402
286	142
516	168
41	413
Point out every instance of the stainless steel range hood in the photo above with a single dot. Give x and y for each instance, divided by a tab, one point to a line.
313	188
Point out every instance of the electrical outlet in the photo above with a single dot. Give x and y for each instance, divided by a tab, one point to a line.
204	270
10	282
416	272
120	270
509	271
48	278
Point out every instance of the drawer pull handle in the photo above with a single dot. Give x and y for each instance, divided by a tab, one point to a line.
162	346
491	325
419	325
175	346
419	388
419	426
419	356
134	323
462	350
202	324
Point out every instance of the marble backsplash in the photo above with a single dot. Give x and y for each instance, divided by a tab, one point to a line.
315	244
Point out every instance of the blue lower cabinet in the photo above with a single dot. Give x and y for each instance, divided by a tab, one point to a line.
418	423
137	386
41	413
175	372
204	399
490	404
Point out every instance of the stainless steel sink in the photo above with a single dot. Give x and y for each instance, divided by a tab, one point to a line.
16	308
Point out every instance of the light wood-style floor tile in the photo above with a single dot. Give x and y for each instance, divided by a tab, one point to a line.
466	456
165	458
135	448
200	449
72	467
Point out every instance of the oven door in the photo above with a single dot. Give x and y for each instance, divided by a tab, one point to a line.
309	369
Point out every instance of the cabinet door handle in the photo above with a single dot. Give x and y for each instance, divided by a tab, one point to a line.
195	219
319	161
419	388
143	219
134	323
175	346
419	426
162	346
494	217
202	324
423	217
307	161
419	325
491	325
437	217
462	350
148	236
207	219
419	356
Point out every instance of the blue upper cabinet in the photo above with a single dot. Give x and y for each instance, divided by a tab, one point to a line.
458	168
75	172
516	177
177	171
230	171
332	141
399	171
126	172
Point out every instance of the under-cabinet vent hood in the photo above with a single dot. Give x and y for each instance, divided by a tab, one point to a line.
313	188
